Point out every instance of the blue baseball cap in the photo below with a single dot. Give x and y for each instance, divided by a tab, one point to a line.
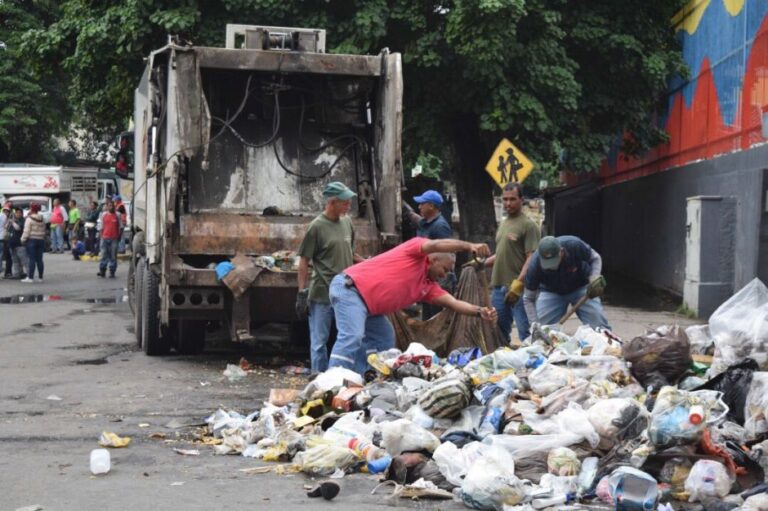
429	196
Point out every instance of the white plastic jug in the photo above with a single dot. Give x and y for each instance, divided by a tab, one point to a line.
100	461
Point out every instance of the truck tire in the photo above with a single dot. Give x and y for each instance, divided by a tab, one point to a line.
138	281
152	340
131	285
190	337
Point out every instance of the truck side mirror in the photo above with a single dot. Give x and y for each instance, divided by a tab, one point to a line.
124	158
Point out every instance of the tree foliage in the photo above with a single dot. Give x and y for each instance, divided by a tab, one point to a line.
561	78
32	108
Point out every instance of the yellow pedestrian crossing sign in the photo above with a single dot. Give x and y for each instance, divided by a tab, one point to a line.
508	164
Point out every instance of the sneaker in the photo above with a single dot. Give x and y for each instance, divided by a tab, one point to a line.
327	489
101	274
27	280
112	275
40	280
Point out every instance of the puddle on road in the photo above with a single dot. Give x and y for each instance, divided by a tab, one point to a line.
30	298
121	299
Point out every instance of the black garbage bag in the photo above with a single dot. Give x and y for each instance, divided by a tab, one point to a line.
734	383
661	356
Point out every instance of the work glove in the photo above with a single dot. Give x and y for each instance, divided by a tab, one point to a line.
302	304
516	288
596	288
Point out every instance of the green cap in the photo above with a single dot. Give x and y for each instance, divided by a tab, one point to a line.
549	253
338	190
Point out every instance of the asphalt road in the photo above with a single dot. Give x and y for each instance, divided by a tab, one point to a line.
70	369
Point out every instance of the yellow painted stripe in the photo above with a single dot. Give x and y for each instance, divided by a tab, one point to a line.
689	17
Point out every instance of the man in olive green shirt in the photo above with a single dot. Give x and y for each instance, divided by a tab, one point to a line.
329	245
517	238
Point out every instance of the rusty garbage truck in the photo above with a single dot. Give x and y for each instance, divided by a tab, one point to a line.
232	148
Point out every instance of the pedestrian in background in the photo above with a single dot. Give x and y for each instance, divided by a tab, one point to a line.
110	236
91	220
58	216
33	238
74	223
18	252
4	217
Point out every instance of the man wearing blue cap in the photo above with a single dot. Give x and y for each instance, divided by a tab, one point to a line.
432	225
329	245
562	271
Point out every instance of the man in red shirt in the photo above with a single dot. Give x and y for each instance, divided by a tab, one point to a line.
110	237
364	293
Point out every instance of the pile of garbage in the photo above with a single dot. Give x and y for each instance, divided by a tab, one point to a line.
562	421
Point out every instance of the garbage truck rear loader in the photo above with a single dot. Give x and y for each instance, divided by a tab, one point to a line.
232	149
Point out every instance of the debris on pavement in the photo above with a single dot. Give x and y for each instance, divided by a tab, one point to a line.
108	439
101	461
187	452
560	421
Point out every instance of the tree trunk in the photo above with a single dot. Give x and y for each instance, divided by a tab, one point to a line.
474	187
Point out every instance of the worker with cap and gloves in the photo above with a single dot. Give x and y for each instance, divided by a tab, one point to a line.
329	246
517	239
561	272
431	224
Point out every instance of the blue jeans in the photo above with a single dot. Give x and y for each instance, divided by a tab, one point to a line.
57	238
320	320
35	249
509	313
360	333
108	256
550	307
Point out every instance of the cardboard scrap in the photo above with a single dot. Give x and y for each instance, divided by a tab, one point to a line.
242	276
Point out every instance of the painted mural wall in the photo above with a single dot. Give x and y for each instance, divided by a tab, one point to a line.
718	110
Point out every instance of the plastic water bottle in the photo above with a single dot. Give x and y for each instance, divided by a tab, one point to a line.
587	474
377	458
494	416
100	461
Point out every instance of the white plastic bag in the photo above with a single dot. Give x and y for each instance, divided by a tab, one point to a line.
403	435
455	463
739	328
708	478
700	338
491	485
618	418
350	426
548	378
756	406
334	377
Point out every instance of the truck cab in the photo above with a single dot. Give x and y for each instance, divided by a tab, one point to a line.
232	148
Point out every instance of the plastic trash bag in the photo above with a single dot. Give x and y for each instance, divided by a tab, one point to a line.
739	328
500	363
324	460
548	378
563	462
708	478
403	435
350	426
490	485
447	397
660	357
618	419
335	377
734	383
756	406
454	463
700	339
671	422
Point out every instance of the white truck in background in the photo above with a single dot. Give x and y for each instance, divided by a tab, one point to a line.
26	183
